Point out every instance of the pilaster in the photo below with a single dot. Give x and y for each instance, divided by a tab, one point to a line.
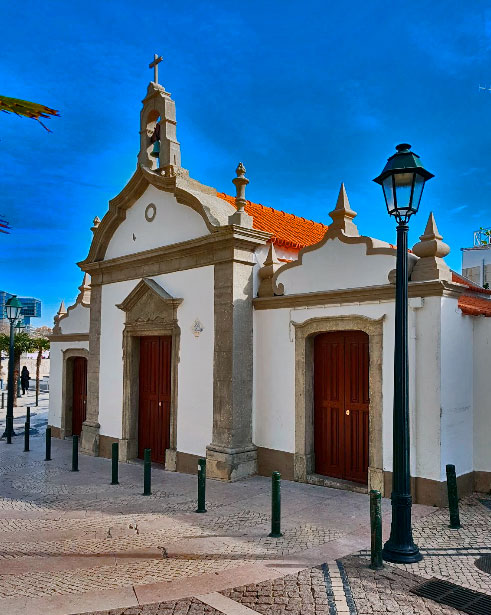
232	455
90	427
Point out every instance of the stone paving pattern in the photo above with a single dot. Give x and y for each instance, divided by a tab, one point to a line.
72	534
187	606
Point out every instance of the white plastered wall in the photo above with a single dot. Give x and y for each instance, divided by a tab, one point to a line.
56	376
482	393
337	265
77	320
274	384
195	370
456	388
173	222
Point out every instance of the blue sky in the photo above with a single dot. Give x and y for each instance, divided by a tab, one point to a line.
306	95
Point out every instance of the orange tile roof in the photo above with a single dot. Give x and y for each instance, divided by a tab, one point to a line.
288	231
475	306
470	304
456	277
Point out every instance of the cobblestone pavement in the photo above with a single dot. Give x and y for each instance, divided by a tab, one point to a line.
70	535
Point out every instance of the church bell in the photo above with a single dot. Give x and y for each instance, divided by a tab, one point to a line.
156	149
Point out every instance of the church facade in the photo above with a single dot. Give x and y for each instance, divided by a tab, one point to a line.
210	326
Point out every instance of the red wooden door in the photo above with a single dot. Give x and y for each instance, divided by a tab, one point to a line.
341	401
155	396
79	407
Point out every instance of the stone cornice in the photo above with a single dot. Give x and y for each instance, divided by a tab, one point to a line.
227	243
368	294
69	337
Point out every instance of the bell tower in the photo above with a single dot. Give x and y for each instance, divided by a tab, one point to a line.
159	148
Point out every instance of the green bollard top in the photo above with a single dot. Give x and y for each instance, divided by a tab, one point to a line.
276	475
375	493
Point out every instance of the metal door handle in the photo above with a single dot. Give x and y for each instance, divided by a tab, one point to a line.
347	412
160	403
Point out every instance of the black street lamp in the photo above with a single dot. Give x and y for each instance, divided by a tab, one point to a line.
12	312
402	180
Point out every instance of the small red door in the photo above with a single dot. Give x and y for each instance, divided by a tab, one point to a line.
155	396
341	402
79	410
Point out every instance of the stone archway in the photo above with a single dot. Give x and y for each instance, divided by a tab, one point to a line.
150	311
305	333
69	355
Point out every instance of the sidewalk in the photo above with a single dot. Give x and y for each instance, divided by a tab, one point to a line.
72	543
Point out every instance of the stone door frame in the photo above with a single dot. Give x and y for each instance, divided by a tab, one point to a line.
67	388
131	389
305	333
150	311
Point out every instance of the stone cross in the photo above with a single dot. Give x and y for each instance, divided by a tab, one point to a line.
155	65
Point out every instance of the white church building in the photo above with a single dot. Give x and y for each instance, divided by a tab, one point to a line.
211	326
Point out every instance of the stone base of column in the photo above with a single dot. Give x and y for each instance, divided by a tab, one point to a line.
230	464
89	444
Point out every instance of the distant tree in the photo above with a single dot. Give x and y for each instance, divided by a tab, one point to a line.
27	109
40	344
22	343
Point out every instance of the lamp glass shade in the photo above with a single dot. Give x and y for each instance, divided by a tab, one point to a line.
419	184
13	308
388	188
402	181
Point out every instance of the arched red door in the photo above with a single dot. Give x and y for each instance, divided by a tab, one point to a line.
341	405
79	409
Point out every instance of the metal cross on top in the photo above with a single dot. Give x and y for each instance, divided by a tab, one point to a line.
155	65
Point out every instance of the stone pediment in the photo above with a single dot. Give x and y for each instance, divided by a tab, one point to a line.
149	303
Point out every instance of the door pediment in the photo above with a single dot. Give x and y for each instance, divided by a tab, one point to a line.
150	304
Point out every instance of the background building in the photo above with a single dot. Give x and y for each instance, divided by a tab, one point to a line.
476	261
31	308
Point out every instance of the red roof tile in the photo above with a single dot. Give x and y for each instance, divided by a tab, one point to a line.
288	231
475	306
459	279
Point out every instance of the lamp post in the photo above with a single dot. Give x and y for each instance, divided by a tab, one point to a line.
12	312
19	326
402	180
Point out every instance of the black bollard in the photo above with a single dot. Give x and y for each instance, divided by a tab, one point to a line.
3	401
147	472
276	506
28	415
26	436
453	498
18	387
48	444
376	530
115	459
201	486
74	453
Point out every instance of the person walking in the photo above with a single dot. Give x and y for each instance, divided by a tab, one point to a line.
24	380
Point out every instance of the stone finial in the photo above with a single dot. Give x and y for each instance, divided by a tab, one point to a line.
342	215
431	251
266	273
95	223
84	288
240	217
61	312
62	309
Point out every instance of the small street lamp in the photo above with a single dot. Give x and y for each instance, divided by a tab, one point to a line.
402	180
12	312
